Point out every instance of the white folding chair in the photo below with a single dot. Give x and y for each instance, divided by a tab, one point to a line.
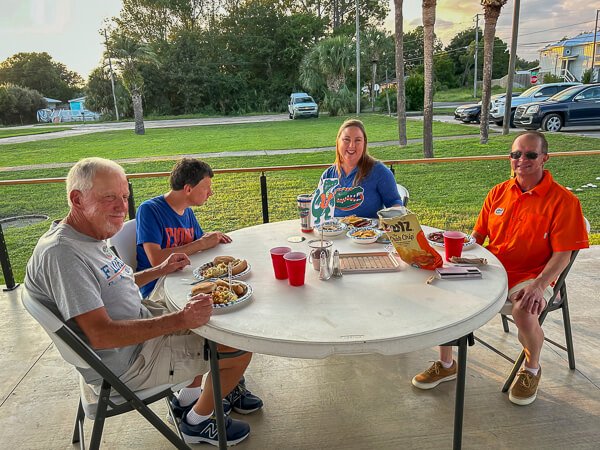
106	404
403	194
124	242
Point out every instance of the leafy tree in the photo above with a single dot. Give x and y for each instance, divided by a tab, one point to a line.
586	78
444	71
428	48
39	72
492	11
19	105
523	64
413	48
325	68
342	12
128	54
99	95
415	92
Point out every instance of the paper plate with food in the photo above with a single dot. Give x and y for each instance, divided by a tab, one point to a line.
224	296
437	238
332	228
217	268
357	222
364	235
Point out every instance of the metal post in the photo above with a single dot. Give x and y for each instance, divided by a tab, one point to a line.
392	169
476	48
594	47
357	64
460	392
112	81
9	279
264	197
131	201
374	62
218	398
387	95
511	68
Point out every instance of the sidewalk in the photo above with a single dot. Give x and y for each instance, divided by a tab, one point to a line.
340	403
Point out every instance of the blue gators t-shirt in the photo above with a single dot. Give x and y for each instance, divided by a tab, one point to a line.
376	191
158	223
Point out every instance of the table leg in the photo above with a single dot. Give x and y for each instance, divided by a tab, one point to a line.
460	392
216	382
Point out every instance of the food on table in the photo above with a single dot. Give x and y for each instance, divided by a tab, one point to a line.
332	227
364	233
355	222
437	236
220	291
219	267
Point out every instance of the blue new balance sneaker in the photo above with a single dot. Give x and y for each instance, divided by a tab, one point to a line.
243	401
181	411
206	431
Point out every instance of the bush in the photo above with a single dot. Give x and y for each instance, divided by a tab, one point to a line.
549	78
381	101
19	105
415	91
338	104
586	78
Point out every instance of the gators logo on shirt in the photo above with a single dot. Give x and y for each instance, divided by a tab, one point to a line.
348	198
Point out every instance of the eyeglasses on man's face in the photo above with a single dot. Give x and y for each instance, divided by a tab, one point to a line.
528	155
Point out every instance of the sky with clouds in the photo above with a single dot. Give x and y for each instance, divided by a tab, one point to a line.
68	29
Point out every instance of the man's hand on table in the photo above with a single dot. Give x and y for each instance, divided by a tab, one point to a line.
212	238
175	262
531	299
197	311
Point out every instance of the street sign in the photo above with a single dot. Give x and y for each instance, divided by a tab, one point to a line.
534	79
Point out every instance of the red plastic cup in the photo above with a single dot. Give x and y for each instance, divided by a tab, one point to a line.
278	262
453	243
295	263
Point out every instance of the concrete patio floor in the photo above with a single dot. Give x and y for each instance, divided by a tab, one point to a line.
357	402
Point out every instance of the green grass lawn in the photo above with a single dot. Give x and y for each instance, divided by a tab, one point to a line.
211	139
27	131
445	195
465	94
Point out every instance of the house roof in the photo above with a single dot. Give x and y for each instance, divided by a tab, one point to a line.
582	39
79	99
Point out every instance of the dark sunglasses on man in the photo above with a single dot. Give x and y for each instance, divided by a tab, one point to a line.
528	155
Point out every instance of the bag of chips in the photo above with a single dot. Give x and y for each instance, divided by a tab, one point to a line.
404	232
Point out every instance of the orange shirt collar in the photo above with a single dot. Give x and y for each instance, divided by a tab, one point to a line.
541	189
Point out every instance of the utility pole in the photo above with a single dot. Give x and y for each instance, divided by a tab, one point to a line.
112	81
476	49
357	64
511	68
594	47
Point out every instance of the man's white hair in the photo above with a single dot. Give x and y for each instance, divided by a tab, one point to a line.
81	176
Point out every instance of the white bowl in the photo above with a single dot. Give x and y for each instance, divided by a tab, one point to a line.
364	240
332	228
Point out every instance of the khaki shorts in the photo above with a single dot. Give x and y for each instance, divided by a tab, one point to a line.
547	292
168	359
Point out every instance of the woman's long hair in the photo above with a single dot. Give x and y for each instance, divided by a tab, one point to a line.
366	161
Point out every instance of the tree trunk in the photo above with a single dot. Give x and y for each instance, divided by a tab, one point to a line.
138	113
400	93
491	17
428	23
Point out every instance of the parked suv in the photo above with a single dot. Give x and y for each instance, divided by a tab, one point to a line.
302	105
577	105
533	94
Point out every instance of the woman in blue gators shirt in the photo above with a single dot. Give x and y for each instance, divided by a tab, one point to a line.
365	184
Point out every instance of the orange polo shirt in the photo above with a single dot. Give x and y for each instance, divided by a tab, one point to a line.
525	228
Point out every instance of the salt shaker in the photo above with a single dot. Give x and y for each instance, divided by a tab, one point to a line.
324	272
336	269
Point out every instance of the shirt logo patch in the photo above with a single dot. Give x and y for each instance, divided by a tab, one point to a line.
499	211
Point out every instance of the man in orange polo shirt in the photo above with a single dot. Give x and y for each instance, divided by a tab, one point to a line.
532	224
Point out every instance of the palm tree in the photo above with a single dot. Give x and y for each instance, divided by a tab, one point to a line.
492	11
428	38
400	94
128	53
327	64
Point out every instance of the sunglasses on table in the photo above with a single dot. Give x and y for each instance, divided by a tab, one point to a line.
528	155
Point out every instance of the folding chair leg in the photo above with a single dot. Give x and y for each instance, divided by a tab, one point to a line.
78	431
504	323
161	426
100	416
513	372
568	334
